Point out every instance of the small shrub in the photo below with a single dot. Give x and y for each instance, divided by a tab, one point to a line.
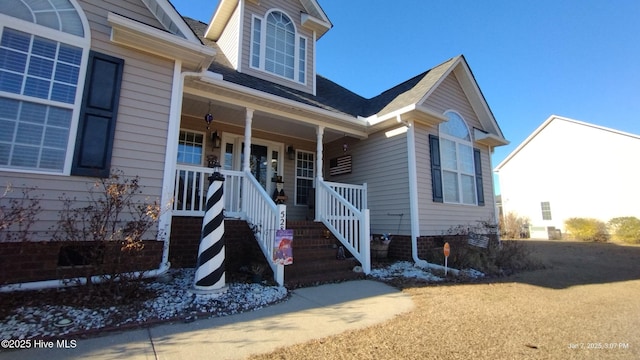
18	214
625	229
499	258
513	226
110	229
587	229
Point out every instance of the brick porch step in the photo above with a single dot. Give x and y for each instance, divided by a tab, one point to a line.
314	257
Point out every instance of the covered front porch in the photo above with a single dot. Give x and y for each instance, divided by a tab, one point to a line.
271	155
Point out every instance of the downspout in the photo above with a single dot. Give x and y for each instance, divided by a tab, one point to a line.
413	198
164	222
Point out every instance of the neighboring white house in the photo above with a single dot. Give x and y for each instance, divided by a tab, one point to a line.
568	168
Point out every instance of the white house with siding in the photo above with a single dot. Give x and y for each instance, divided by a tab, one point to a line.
568	168
125	85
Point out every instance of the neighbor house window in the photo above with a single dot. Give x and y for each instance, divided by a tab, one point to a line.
546	210
42	69
304	176
190	145
277	48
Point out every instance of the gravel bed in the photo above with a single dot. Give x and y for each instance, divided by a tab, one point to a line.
173	301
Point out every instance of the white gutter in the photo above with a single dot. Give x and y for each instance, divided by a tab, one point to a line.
49	284
413	199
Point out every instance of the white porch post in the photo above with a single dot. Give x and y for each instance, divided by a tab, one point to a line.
319	163
247	140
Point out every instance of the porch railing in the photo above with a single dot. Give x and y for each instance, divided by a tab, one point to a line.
190	191
342	209
265	217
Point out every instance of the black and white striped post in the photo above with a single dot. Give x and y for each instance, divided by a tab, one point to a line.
210	273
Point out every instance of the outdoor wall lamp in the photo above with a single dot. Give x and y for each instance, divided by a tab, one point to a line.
215	139
291	152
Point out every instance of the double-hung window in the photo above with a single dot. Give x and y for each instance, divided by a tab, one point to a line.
456	170
277	48
43	56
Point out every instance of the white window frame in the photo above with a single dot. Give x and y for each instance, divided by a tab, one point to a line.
204	145
459	170
299	63
296	177
60	37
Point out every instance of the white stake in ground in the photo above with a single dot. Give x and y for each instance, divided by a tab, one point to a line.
210	275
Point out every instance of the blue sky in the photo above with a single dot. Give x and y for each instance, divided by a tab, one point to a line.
574	58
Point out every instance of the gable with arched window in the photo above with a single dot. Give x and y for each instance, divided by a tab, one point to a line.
277	48
456	169
58	99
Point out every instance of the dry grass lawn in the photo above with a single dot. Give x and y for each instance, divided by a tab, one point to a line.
585	304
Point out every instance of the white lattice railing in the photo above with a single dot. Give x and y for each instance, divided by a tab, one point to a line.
342	209
265	217
190	191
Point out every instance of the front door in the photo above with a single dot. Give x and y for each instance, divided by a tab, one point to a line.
265	161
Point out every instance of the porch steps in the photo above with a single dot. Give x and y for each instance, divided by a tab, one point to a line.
314	257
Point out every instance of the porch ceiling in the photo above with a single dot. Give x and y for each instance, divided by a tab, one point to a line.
223	112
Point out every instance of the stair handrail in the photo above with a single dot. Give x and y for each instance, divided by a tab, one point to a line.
349	224
264	217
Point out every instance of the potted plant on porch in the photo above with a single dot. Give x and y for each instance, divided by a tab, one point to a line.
380	246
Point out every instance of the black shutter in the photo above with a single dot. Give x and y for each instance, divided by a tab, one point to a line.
436	174
479	188
97	124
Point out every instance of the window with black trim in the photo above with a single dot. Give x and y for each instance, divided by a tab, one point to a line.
456	166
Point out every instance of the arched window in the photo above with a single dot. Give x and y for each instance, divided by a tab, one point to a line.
43	55
276	47
457	159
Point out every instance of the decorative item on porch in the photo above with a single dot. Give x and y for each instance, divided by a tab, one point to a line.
279	196
380	247
210	272
283	247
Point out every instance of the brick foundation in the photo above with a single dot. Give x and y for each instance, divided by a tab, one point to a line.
241	248
37	261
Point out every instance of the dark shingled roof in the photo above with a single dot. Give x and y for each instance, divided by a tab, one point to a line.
329	95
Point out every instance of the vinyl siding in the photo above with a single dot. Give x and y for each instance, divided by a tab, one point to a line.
230	39
380	162
437	218
292	9
141	126
450	96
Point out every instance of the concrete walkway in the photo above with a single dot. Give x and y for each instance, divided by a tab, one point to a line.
310	313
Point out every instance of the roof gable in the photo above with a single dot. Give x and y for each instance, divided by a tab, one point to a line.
168	16
546	124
